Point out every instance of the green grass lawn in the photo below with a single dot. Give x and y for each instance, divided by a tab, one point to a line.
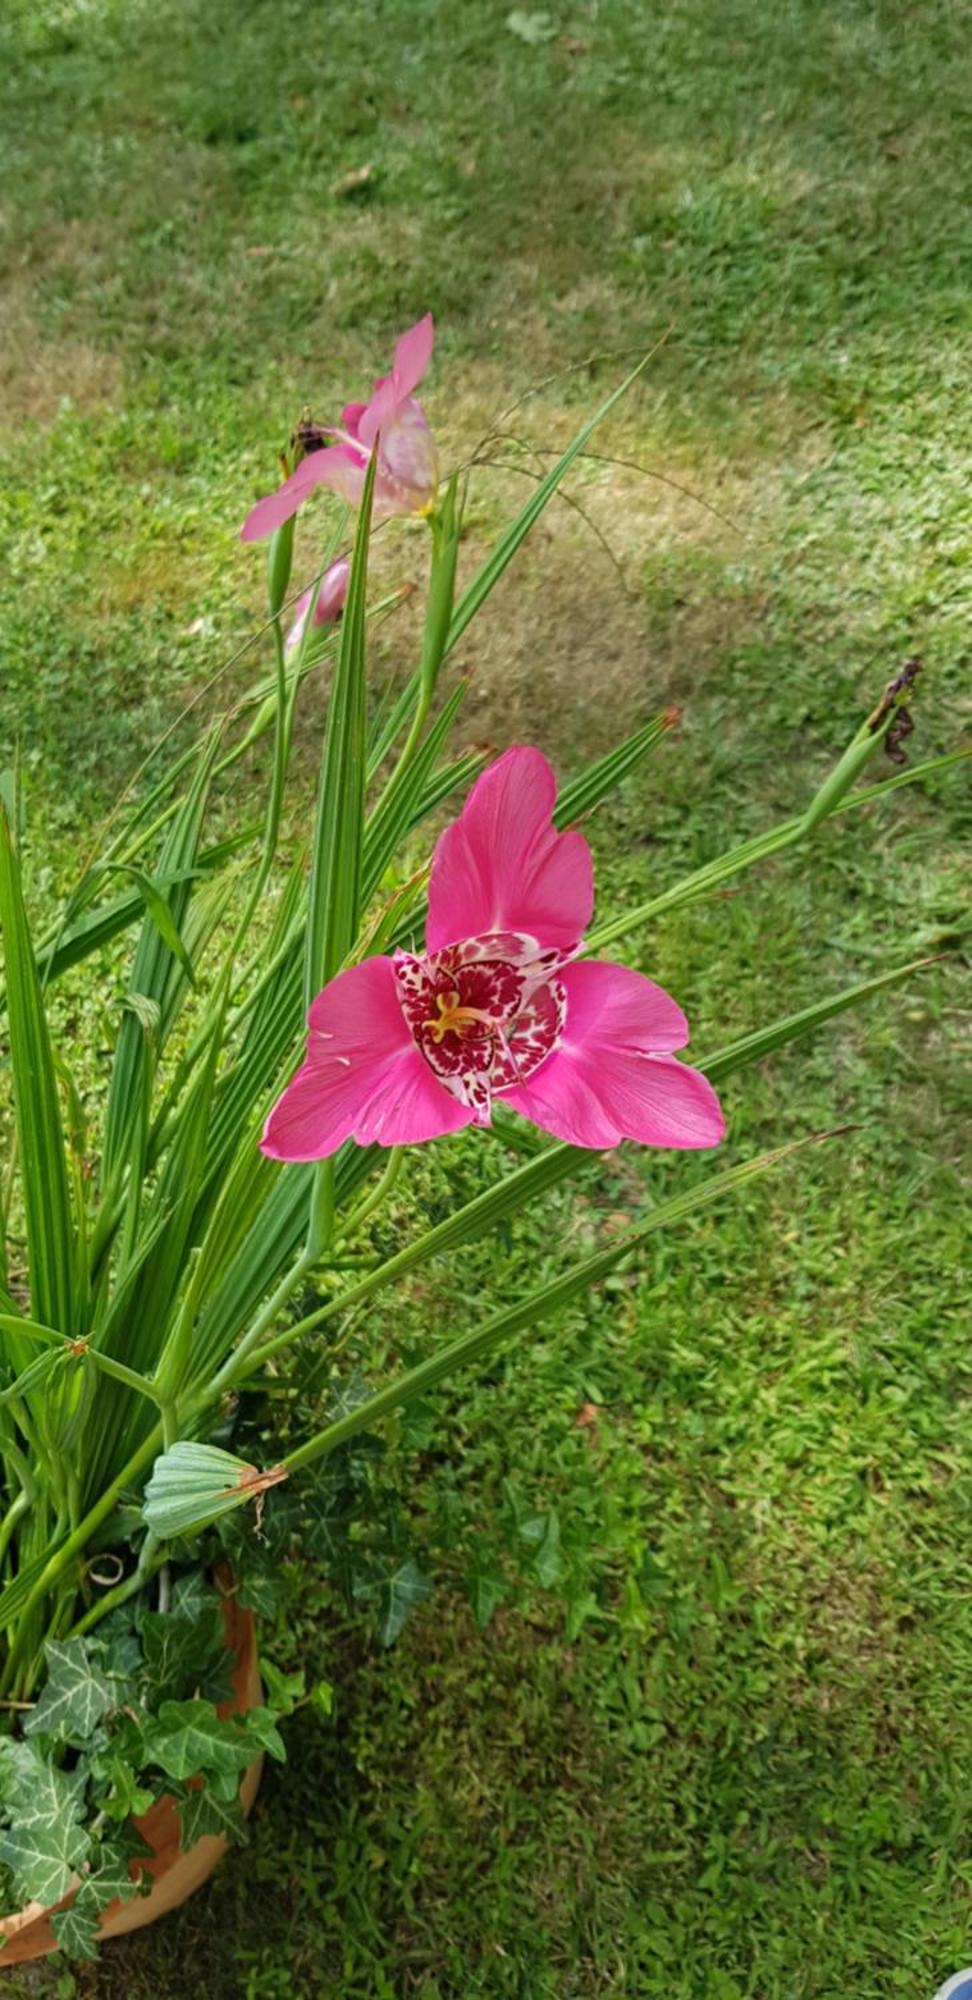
713	1743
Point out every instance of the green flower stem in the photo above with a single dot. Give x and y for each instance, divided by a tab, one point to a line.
211	1391
764	845
15	1512
321	1226
558	1162
31	1329
62	1557
379	1193
470	1346
119	1594
107	1365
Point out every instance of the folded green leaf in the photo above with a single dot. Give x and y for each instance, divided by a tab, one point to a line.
193	1485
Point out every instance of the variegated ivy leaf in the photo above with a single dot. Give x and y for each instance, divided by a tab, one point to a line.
36	1792
201	1812
188	1739
394	1592
76	1693
261	1727
76	1930
44	1844
193	1485
111	1875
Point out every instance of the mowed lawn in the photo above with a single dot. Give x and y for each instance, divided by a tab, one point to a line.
688	1713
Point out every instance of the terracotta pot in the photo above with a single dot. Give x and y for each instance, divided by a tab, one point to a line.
175	1872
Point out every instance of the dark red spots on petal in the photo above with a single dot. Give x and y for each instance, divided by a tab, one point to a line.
483	1023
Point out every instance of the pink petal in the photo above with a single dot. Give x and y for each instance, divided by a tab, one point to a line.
330	603
413	353
331	467
502	865
613	1076
407	455
351	416
364	1078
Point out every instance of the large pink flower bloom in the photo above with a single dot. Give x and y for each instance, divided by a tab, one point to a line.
499	1006
406	476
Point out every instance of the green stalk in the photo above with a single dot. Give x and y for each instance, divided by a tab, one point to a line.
357	1217
62	1557
539	1304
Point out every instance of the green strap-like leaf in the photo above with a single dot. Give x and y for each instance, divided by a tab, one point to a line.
40	1138
159	910
751	1048
502	555
335	883
546	1299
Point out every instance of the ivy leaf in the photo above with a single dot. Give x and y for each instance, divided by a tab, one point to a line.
533	29
36	1791
284	1690
44	1858
394	1593
486	1588
76	1931
188	1739
125	1797
262	1591
261	1727
111	1877
202	1812
193	1596
182	1654
543	1532
76	1694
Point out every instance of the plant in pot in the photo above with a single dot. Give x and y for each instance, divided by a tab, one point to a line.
287	1027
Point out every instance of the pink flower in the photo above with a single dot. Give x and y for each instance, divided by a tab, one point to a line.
407	473
500	1006
330	603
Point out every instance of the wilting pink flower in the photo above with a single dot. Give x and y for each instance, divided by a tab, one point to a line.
406	476
330	603
403	1049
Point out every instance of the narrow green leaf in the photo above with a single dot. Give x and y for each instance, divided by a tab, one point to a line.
594	783
133	1067
537	1305
40	1138
476	593
751	1048
442	589
18	1592
159	911
335	882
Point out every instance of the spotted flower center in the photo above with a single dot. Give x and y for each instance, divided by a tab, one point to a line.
485	1013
